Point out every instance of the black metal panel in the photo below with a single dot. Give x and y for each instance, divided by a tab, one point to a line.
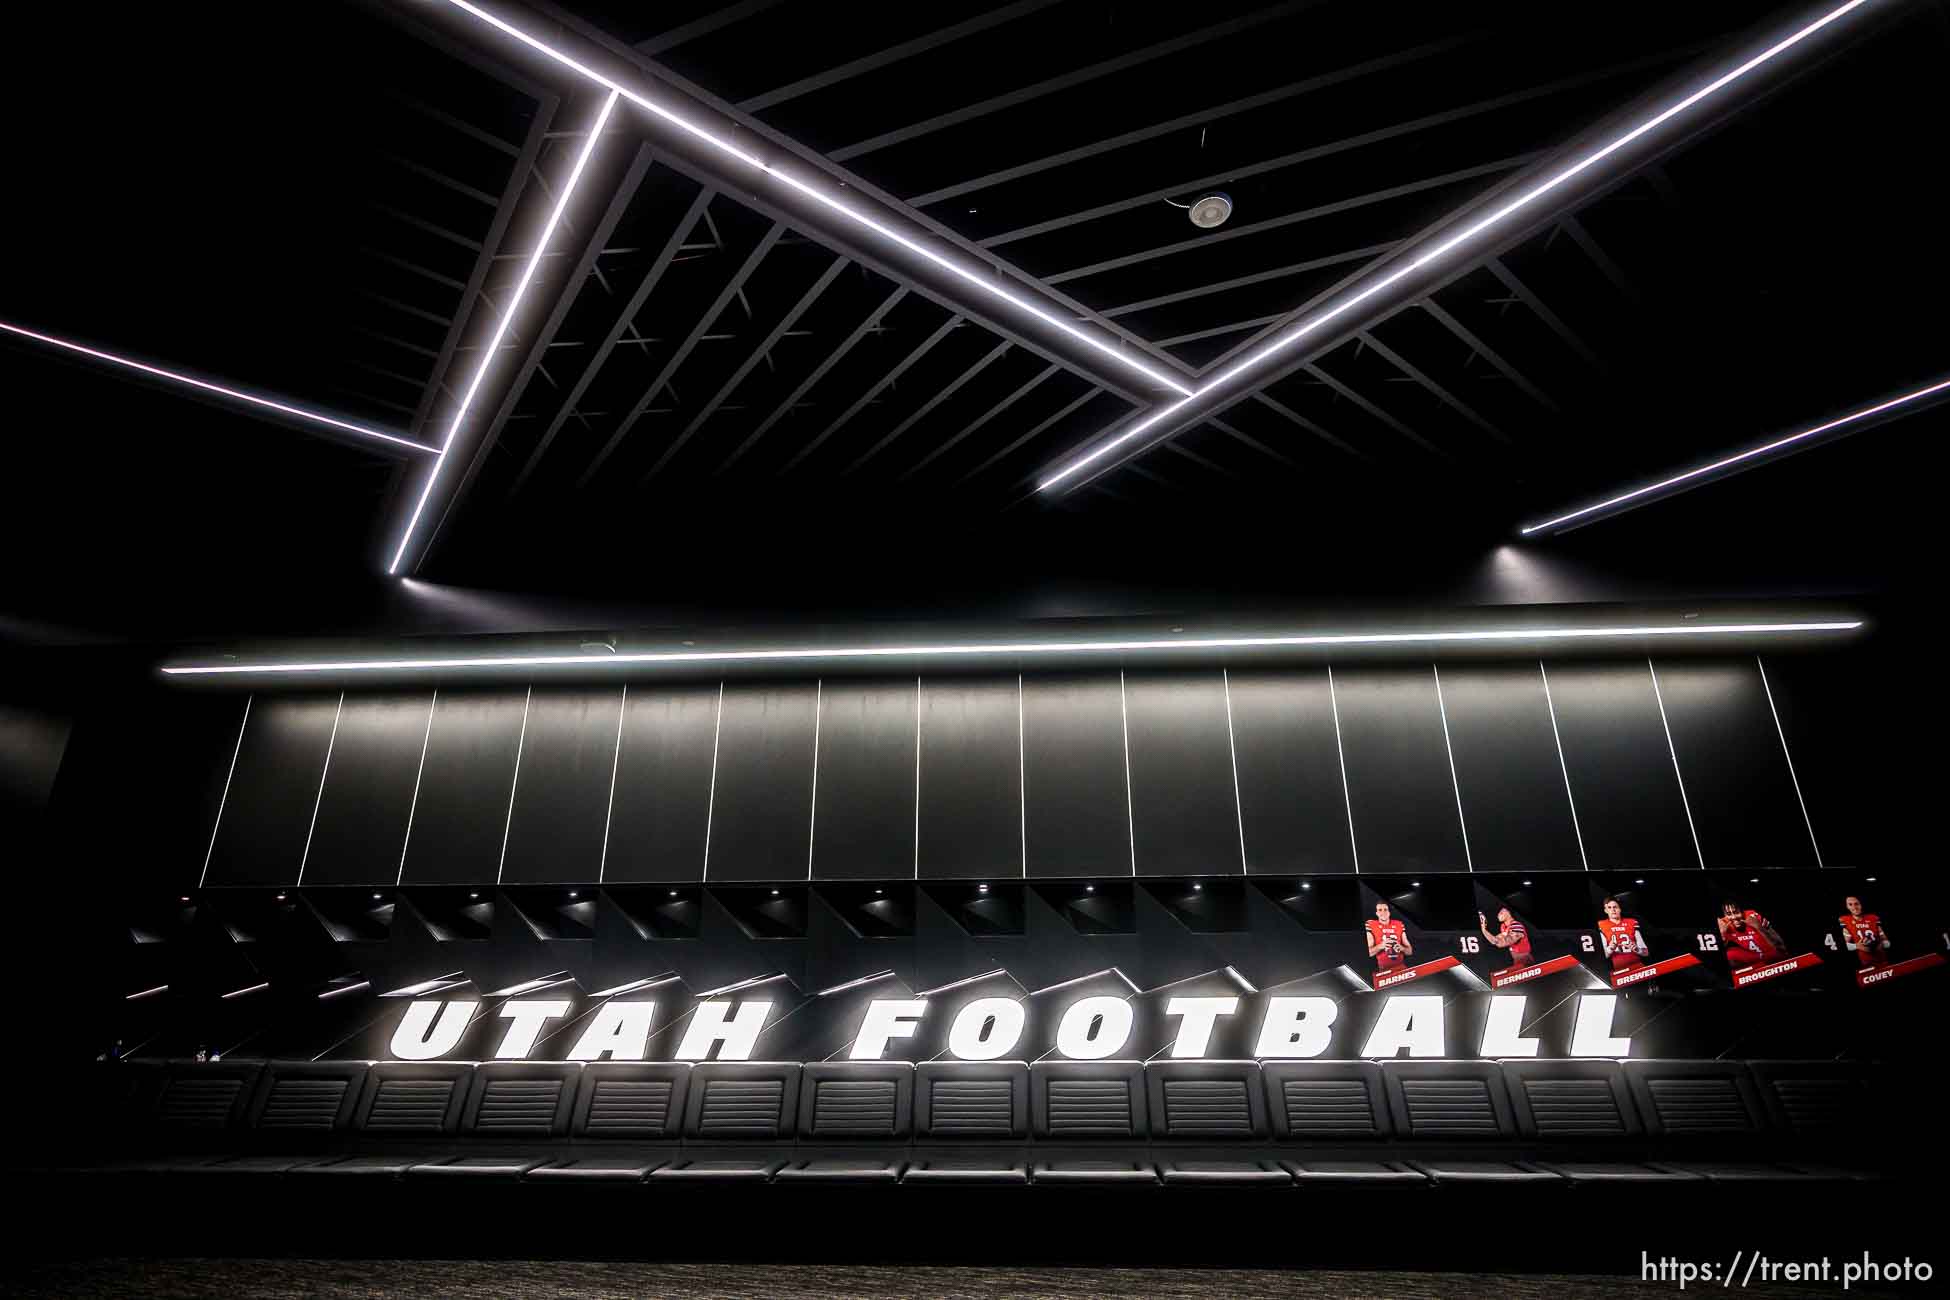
461	814
1076	796
1628	799
273	788
761	816
1736	773
971	817
863	797
1399	785
1514	800
362	814
561	802
663	784
1292	805
1184	808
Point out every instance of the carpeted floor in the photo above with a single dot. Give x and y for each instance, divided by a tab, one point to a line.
586	1280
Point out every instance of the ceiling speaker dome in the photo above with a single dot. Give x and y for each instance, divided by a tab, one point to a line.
1210	211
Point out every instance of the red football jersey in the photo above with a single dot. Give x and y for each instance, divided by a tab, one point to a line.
1623	942
1864	935
1388	937
1520	950
1747	942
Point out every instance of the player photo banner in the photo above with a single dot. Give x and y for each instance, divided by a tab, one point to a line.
1388	979
1760	972
1640	974
1524	974
1882	974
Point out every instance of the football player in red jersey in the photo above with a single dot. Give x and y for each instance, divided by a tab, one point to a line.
1746	936
1863	933
1511	935
1388	941
1623	942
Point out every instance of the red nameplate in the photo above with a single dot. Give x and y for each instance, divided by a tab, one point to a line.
1877	974
1521	974
1388	979
1768	970
1640	974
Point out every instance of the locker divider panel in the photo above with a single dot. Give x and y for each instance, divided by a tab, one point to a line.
863	804
1292	804
1184	809
663	784
462	808
1077	814
1398	779
272	790
368	793
762	809
971	816
561	794
1628	798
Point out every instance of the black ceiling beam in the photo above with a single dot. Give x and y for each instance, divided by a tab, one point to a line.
1286	412
1591	162
1097	349
622	188
1201	117
979	422
1034	432
745	367
1313	153
1314	213
716	20
652	276
1067	81
874	390
1257	277
1441	394
1489	354
1256	444
518	178
1350	394
927	408
1601	259
860	331
704	321
1522	293
892	54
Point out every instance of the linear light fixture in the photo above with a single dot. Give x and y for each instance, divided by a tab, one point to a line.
238	993
493	347
204	385
534	986
960	983
651	982
1037	649
1315	322
981	279
1693	478
862	982
447	981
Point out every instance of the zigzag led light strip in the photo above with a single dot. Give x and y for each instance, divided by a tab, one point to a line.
980	280
204	385
1692	478
1314	323
1458	637
493	347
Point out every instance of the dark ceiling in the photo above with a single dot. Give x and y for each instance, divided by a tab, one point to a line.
700	407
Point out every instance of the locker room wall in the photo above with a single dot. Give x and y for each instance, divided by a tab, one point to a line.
1635	764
